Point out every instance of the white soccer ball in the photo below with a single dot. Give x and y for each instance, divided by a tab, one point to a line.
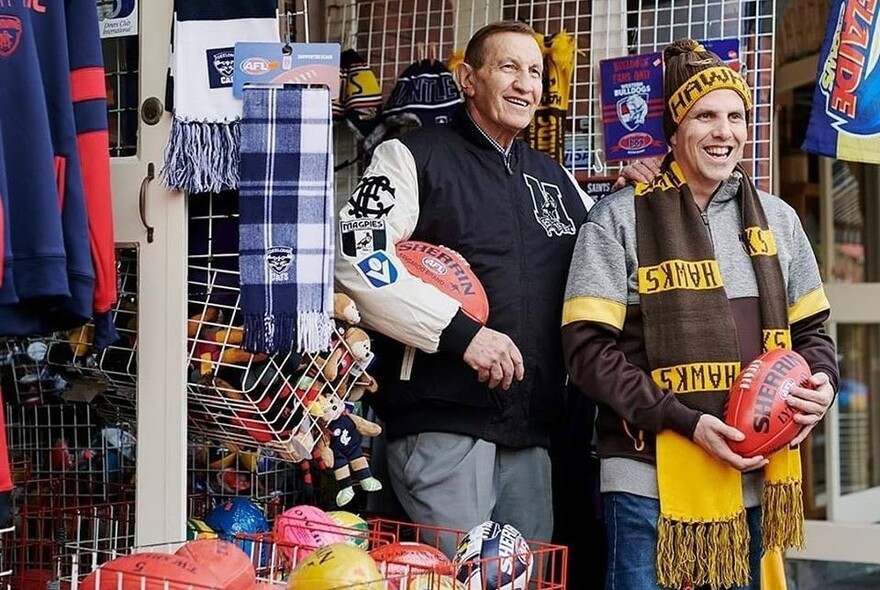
493	556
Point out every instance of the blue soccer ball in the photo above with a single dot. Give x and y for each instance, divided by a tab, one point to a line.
239	515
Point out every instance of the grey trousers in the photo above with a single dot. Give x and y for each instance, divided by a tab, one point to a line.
455	481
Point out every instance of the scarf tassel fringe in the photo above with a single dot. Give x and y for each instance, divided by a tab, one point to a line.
782	517
313	331
703	553
272	334
202	156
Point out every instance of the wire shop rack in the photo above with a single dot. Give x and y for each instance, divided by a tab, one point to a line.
5	569
48	529
273	558
110	371
237	398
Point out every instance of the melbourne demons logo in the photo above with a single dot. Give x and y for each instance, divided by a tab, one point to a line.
10	34
548	207
372	198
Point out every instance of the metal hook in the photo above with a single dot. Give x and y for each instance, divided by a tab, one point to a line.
289	26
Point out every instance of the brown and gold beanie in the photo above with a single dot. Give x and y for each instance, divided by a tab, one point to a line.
691	73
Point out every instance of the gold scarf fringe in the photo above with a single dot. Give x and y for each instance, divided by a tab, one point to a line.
700	553
782	516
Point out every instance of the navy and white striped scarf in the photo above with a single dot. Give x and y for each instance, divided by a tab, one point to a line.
203	147
286	209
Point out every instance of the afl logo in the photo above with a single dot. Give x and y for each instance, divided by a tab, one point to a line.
635	141
785	389
10	34
434	265
257	65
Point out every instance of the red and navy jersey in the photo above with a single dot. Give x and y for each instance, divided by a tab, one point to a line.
90	116
70	77
50	28
38	260
5	245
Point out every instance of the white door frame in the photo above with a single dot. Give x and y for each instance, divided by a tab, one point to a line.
160	505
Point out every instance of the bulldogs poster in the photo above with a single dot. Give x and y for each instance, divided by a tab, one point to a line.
845	120
632	106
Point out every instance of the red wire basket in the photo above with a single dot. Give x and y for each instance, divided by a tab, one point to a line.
273	560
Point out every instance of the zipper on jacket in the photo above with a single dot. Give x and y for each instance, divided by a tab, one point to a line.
705	216
515	185
506	159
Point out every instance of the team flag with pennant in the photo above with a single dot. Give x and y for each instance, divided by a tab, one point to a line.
845	120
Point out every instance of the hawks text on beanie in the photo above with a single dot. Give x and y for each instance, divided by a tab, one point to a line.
691	73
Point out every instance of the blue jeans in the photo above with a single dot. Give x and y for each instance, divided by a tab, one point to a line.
631	524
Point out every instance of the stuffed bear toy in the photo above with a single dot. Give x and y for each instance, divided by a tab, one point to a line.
345	310
346	432
351	360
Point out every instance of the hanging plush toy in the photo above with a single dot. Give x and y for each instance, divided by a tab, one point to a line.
346	433
349	361
345	310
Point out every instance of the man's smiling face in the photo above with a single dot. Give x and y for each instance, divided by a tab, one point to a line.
504	91
709	141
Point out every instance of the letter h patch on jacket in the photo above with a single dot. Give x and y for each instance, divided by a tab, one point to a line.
548	207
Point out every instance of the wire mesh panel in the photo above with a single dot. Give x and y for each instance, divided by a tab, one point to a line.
655	23
121	82
26	377
391	34
45	526
6	535
216	472
109	372
67	439
245	400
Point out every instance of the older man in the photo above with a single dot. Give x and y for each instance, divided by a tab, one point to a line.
469	408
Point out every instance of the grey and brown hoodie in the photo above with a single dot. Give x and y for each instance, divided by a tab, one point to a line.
603	338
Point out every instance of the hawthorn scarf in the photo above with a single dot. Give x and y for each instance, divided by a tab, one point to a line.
203	147
703	536
546	132
286	230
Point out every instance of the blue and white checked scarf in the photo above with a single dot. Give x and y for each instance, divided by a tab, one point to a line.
286	211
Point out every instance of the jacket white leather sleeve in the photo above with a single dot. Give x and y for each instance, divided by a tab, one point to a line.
382	210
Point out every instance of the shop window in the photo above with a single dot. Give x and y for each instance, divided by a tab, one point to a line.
859	346
121	77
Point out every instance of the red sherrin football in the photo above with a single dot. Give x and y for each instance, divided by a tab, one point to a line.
447	270
405	559
757	407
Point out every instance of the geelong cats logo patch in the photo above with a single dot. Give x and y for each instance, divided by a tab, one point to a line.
279	259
